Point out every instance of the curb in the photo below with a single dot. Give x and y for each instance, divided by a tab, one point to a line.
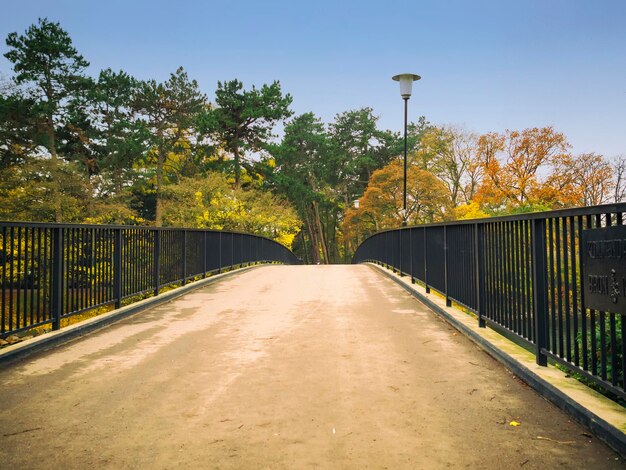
602	429
57	338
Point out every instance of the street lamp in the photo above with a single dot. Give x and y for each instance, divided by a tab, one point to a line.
356	206
406	83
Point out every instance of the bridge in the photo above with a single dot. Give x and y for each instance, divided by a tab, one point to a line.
206	353
282	367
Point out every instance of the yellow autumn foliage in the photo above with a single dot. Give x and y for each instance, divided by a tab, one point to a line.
211	202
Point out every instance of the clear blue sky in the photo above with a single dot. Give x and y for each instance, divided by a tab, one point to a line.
486	65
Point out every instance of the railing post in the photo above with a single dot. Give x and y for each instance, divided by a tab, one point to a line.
219	252
425	265
184	257
117	267
57	277
204	253
411	255
480	272
540	293
401	252
445	264
157	260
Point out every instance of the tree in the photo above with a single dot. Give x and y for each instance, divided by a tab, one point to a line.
619	170
45	60
209	201
301	170
513	165
448	153
121	138
242	120
360	146
18	124
380	208
44	190
591	179
169	111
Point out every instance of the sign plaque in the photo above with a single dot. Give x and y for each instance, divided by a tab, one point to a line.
604	268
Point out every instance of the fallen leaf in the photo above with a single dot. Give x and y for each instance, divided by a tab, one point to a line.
514	423
541	438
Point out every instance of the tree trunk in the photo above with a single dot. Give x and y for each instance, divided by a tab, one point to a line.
52	141
320	231
335	248
317	224
52	144
117	176
159	187
315	254
304	250
237	167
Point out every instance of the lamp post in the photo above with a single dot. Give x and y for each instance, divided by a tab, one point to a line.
356	206
406	83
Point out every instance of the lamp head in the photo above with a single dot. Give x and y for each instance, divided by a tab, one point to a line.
406	83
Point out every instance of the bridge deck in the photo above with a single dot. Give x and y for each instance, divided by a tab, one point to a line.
282	367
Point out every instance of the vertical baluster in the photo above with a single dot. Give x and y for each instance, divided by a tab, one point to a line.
528	280
3	299
583	310
185	256
480	272
82	265
574	235
40	317
427	287
619	221
117	267
507	313
19	320
552	283
592	315
566	292
58	258
539	289
31	276
47	275
500	274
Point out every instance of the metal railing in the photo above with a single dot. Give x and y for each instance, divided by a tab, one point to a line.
522	276
49	272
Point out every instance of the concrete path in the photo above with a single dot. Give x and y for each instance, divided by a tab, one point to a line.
282	367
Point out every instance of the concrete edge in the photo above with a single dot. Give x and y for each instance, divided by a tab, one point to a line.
19	351
603	430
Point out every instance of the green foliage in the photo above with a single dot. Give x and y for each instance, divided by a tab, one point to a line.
610	345
45	55
359	148
168	111
122	137
43	190
18	127
51	69
242	120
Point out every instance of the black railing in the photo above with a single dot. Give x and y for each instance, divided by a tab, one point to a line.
522	276
49	272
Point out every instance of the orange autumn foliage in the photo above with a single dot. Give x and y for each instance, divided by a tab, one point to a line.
428	200
524	168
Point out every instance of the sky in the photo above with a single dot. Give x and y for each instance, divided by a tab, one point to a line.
485	65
